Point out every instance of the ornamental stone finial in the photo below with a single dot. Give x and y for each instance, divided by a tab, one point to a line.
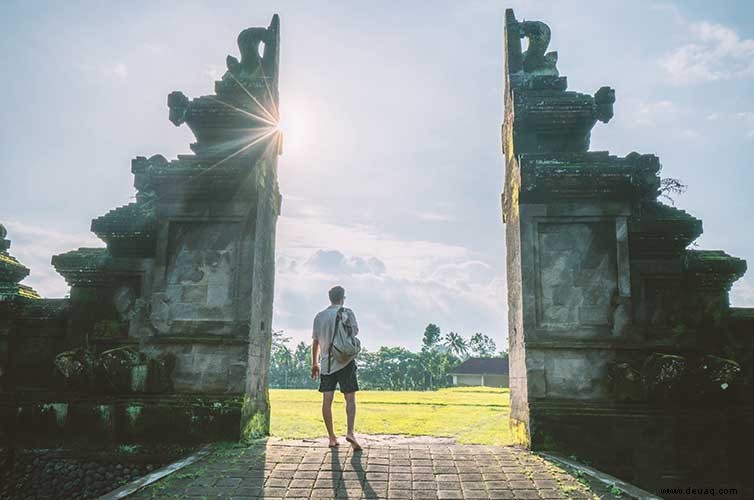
253	63
4	244
535	60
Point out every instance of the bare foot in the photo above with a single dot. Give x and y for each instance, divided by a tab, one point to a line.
354	444
333	443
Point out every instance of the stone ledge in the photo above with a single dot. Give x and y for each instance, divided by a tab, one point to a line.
633	409
173	339
594	175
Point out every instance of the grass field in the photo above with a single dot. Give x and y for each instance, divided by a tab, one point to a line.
472	415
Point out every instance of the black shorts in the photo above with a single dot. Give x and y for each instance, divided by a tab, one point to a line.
345	377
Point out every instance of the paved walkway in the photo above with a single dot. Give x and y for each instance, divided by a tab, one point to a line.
304	469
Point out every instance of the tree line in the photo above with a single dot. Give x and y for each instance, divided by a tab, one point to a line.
387	368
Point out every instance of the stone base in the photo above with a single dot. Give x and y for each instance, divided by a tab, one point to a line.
177	418
649	446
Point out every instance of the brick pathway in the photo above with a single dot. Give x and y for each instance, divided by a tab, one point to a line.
303	470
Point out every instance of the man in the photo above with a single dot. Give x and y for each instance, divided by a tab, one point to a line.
333	371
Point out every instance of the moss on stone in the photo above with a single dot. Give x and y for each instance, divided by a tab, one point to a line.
59	410
139	378
255	418
520	433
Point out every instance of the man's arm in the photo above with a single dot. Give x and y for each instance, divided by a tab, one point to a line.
315	358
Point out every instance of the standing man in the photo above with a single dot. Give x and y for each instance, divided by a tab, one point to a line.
334	371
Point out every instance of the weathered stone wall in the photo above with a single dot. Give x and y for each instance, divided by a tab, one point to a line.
623	347
166	335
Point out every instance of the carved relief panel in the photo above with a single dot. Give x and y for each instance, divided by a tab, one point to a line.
201	270
577	277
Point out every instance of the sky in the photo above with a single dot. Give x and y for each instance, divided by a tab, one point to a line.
391	111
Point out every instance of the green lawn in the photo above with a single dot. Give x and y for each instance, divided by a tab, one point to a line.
472	415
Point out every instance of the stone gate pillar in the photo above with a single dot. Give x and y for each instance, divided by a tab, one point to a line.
615	328
566	238
177	310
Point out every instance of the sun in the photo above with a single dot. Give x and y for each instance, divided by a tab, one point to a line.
293	129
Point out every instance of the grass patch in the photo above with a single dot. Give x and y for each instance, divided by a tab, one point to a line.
470	415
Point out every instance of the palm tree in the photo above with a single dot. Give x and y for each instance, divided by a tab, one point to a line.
456	345
482	345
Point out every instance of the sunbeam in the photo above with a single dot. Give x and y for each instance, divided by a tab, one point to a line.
243	111
261	106
262	137
269	132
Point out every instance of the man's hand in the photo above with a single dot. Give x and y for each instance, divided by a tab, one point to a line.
315	371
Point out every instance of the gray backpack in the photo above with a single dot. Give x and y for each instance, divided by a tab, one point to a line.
344	343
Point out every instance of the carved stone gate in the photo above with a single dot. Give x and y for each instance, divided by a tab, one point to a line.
166	334
623	347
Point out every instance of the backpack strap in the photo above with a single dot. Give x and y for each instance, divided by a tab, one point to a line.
332	341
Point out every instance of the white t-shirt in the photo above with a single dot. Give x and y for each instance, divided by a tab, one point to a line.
322	332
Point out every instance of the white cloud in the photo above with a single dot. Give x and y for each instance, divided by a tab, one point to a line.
120	71
742	293
396	286
435	216
34	247
333	262
715	52
213	72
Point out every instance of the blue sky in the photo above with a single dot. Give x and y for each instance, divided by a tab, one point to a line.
392	169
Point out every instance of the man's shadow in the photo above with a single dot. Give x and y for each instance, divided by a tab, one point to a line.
357	465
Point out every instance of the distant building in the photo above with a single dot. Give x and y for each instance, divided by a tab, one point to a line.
492	372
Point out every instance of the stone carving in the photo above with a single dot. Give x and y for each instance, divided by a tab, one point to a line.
604	99
663	376
79	369
671	378
577	272
624	382
125	369
179	105
119	370
11	273
535	60
201	270
717	378
160	373
253	64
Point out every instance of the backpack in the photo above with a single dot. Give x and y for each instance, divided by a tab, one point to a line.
344	343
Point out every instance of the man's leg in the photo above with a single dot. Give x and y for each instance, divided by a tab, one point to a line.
327	398
350	398
350	411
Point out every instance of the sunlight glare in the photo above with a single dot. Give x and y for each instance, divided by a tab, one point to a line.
294	128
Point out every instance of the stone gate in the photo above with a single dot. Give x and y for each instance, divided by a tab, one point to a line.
623	347
166	334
